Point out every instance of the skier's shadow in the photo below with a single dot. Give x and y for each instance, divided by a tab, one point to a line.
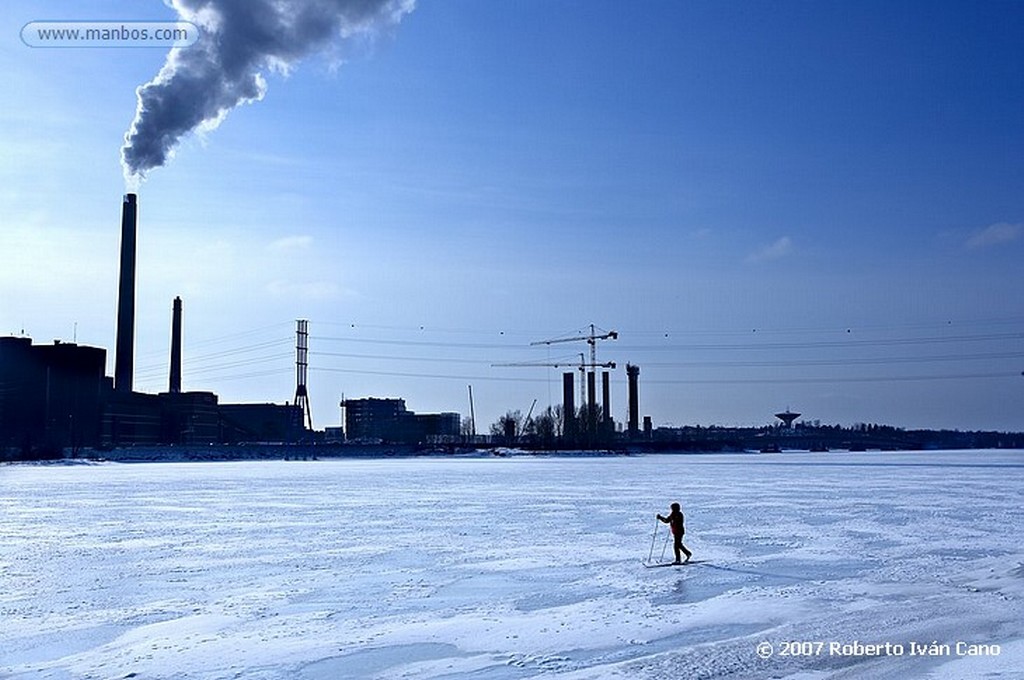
750	572
686	588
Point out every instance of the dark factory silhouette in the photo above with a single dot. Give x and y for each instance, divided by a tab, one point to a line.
57	397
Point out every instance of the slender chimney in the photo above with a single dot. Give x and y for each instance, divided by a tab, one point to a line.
606	398
568	405
633	372
591	402
124	358
175	386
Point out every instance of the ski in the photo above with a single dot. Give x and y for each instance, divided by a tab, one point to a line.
671	564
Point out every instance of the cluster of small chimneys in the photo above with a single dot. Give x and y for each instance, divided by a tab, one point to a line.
569	399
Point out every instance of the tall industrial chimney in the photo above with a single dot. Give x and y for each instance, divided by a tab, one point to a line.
124	358
175	386
633	373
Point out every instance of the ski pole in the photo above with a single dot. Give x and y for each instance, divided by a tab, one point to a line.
665	545
653	537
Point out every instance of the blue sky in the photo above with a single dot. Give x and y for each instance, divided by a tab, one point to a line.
813	205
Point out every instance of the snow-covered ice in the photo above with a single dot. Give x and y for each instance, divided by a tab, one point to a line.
517	567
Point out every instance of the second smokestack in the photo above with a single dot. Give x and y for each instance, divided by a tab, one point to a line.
175	386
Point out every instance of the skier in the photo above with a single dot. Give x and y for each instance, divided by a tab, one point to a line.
675	520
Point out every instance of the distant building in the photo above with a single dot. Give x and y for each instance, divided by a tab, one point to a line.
131	418
438	428
261	423
374	419
389	421
190	418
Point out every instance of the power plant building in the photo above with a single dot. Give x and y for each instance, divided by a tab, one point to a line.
261	423
50	395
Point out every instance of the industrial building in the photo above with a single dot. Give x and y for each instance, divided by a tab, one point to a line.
261	423
51	396
56	397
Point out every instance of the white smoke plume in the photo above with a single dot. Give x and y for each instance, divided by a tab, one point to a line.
242	39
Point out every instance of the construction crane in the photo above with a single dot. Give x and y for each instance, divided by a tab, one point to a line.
590	339
581	364
526	422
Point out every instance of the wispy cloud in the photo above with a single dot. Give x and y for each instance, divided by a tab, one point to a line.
290	243
308	290
995	234
774	251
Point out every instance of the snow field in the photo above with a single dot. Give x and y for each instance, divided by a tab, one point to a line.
510	568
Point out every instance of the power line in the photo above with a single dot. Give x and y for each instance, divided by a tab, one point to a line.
839	362
214	368
214	363
433	376
839	328
865	379
257	374
220	339
664	332
391	357
201	358
417	343
883	342
713	381
424	329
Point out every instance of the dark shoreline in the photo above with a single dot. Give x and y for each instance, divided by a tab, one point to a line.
313	452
